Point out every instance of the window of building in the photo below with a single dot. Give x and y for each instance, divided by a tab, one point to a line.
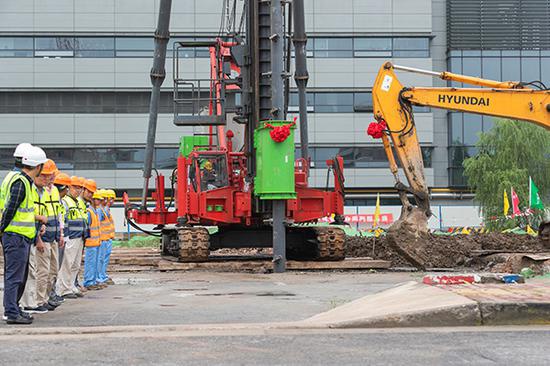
333	47
134	46
94	47
358	157
126	46
82	102
333	102
362	102
372	47
411	47
53	46
16	47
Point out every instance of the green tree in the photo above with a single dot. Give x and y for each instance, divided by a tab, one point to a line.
508	154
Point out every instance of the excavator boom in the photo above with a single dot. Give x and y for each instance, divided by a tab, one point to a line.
395	125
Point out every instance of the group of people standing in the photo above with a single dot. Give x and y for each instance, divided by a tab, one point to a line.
47	220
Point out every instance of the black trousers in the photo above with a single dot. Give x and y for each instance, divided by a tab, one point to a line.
16	269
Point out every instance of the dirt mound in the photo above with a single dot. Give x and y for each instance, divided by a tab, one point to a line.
443	251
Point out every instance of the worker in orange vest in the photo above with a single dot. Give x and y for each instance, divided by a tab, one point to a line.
92	243
107	228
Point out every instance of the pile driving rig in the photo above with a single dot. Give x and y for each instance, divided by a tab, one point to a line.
253	189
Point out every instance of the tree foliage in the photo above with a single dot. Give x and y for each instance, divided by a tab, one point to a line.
508	154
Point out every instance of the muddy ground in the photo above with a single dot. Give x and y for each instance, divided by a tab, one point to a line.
478	251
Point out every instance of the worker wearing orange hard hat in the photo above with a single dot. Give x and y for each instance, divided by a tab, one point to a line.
75	230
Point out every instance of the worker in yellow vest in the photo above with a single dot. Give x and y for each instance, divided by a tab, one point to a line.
75	228
43	257
18	227
62	182
92	243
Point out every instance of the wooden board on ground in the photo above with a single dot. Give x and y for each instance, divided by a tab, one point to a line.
251	265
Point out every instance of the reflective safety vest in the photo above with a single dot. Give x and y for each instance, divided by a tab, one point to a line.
23	220
48	205
104	226
74	220
7	180
95	231
83	209
112	224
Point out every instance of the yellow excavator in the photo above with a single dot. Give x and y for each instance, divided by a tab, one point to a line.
396	127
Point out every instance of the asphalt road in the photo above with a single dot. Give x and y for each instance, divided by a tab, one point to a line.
151	298
443	346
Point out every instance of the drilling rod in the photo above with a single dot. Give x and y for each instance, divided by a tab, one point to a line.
301	75
158	73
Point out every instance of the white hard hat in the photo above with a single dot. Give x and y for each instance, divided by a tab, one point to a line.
34	156
20	149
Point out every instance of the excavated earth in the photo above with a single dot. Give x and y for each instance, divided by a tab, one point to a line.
480	251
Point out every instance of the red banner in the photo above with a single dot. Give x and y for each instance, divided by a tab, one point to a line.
385	219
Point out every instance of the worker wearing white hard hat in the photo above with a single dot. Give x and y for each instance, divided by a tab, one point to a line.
20	149
18	228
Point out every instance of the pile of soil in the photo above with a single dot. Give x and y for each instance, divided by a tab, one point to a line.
444	251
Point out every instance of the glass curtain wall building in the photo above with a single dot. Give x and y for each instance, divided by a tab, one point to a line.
498	40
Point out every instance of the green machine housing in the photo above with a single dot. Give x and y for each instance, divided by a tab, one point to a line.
274	163
188	143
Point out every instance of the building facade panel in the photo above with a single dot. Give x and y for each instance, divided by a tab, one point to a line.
347	43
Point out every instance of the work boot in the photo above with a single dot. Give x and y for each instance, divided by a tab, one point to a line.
102	285
82	288
57	298
20	319
26	315
92	287
79	294
37	310
110	281
48	306
70	296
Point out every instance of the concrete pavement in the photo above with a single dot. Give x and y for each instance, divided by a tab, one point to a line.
412	346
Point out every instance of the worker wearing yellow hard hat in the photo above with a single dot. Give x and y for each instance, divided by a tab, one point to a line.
107	235
93	241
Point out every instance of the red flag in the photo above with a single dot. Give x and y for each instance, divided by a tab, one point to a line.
515	203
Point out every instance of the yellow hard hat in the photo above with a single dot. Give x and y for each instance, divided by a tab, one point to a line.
110	193
102	193
208	165
97	195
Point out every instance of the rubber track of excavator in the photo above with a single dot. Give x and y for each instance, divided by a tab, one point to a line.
331	243
194	244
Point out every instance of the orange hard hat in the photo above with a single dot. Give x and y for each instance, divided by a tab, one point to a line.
62	179
49	167
76	181
90	185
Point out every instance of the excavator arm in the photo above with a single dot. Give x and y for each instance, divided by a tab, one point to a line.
395	125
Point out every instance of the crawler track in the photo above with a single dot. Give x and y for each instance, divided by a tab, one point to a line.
194	244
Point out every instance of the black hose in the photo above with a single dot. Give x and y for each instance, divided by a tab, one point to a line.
136	226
